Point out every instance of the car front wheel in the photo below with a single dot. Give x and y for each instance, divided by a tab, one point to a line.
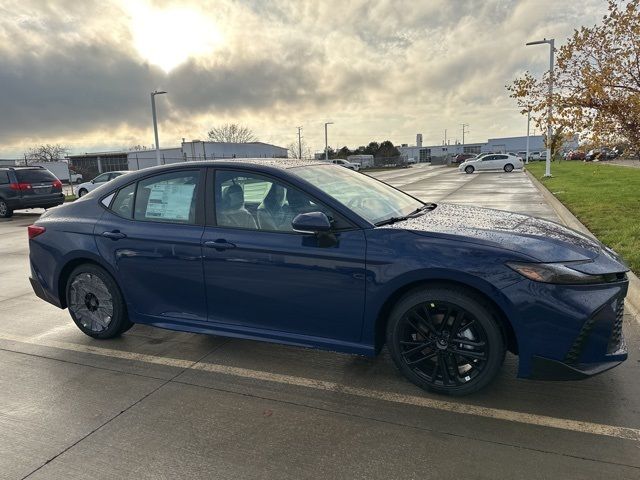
95	302
508	168
82	192
445	340
469	169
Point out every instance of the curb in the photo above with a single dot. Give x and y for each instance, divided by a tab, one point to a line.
570	220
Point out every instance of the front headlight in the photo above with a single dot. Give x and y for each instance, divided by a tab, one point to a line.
561	273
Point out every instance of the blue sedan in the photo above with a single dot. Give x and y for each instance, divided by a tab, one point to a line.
316	255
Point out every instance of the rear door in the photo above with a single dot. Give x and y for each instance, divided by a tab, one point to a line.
151	236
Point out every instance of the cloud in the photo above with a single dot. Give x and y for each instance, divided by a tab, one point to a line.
71	71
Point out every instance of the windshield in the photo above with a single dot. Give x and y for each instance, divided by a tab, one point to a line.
373	200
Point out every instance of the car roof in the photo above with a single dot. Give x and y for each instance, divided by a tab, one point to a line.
34	167
269	163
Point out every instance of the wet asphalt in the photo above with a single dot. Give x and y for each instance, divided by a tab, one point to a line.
162	404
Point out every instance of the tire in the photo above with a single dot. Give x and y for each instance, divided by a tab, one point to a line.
82	193
95	302
469	169
508	168
453	363
78	181
5	211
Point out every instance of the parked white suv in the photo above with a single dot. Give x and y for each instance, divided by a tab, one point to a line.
492	161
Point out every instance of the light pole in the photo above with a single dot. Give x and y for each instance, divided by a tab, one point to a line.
155	121
528	124
551	43
326	144
299	143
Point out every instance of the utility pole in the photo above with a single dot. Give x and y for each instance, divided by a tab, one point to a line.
445	136
299	143
464	130
326	143
552	50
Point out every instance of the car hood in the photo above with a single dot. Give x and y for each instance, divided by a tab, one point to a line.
541	240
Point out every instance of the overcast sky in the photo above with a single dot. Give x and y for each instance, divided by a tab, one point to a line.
80	72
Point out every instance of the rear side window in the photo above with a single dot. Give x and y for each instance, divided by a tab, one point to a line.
170	197
39	175
123	203
4	178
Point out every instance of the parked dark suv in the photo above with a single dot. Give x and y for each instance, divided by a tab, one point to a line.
27	187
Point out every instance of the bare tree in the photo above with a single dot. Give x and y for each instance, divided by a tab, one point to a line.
46	153
134	148
232	133
294	150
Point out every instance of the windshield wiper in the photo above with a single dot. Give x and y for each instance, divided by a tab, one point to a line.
416	213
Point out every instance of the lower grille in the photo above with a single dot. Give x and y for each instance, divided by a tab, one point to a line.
616	338
576	349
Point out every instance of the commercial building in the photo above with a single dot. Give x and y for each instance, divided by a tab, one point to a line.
198	150
92	164
441	153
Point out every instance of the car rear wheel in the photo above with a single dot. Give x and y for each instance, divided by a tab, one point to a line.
508	168
5	211
445	340
95	302
82	192
469	169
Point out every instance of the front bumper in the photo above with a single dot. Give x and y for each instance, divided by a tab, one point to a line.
568	332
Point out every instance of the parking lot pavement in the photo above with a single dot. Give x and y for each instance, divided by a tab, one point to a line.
156	403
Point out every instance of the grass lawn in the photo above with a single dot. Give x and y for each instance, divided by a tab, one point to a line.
605	198
70	198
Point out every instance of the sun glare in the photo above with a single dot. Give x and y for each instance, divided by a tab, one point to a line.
168	37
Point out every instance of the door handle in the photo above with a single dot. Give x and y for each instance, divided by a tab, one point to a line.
219	244
115	235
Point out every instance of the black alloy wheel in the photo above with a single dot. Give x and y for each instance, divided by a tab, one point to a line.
82	192
508	168
469	169
445	340
95	302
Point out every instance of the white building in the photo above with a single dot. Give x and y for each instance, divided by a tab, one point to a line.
440	153
199	150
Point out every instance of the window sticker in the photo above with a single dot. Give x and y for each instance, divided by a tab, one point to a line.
170	201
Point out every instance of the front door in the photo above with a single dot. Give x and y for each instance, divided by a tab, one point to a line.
260	274
151	236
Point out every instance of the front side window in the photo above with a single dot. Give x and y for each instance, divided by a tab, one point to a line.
4	178
101	178
256	202
373	200
169	197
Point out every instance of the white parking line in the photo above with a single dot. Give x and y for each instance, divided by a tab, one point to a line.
625	433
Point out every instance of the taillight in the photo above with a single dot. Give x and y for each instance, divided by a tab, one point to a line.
57	184
34	230
20	186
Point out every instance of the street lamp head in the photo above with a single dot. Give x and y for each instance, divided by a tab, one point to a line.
539	42
158	92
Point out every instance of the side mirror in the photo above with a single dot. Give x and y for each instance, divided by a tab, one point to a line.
312	222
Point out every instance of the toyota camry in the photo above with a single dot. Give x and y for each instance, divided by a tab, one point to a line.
315	255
